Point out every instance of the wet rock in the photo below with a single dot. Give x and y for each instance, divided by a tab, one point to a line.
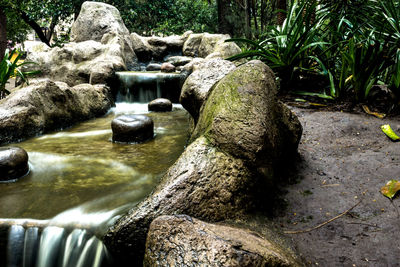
196	87
243	117
132	128
167	67
45	106
204	182
179	60
153	67
101	45
160	105
241	133
13	163
182	241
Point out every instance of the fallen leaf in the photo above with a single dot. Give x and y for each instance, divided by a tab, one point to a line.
389	132
391	188
376	114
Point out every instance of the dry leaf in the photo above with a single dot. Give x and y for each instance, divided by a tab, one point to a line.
391	188
376	114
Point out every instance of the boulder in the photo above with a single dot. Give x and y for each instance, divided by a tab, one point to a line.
240	135
204	182
243	117
196	87
192	44
13	163
132	128
167	67
160	105
102	45
184	241
95	20
213	45
45	106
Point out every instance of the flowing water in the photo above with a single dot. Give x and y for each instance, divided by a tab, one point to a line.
79	184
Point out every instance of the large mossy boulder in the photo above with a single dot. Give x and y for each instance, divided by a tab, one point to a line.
45	106
243	117
218	177
100	45
184	241
196	87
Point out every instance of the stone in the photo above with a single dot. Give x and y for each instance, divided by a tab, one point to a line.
196	87
243	117
95	20
179	60
209	42
160	105
101	46
181	240
142	48
241	135
132	128
153	67
167	67
45	106
192	44
204	182
13	163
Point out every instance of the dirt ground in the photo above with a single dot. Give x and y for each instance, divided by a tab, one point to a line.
344	158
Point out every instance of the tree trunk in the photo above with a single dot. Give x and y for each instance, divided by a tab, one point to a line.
53	24
254	9
3	33
281	16
35	27
223	14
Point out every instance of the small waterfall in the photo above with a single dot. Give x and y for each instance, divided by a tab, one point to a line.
145	86
54	246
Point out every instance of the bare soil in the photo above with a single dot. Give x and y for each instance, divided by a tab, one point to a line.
344	158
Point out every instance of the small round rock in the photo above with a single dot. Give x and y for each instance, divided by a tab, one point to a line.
132	128
13	163
160	105
167	67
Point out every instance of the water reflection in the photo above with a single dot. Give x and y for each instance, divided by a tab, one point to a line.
81	165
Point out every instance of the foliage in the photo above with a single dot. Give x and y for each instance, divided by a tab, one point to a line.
391	188
288	49
355	44
9	67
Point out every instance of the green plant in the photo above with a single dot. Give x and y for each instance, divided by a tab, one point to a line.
288	49
9	67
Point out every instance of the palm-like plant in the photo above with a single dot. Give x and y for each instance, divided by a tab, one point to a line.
9	67
287	48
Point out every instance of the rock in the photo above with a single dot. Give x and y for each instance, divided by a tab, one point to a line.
47	106
142	48
192	44
212	45
204	182
132	128
243	117
240	136
167	67
197	85
160	105
13	163
173	42
95	20
153	67
179	60
184	241
191	66
102	45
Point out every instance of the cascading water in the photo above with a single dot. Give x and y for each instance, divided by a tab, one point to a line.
84	182
146	86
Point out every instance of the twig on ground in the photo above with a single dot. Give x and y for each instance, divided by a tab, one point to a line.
366	224
322	224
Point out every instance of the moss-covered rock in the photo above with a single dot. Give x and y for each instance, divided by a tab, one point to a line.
243	117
